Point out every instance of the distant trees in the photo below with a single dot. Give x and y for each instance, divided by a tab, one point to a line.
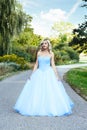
26	44
63	53
63	31
79	41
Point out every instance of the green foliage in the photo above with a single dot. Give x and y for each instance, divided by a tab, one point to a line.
8	69
72	53
63	31
65	54
62	27
79	41
77	78
28	38
14	65
80	38
12	21
4	68
21	53
14	58
32	53
26	45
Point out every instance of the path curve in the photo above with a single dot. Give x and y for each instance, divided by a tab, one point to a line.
10	89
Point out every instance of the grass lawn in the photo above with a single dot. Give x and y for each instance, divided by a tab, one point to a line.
77	78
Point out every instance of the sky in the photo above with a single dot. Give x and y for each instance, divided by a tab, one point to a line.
46	12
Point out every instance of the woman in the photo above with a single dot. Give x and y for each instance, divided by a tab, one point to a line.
44	94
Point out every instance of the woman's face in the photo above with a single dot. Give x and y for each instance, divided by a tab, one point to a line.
44	45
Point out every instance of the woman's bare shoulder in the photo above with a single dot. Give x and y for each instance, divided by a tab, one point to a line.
39	52
52	53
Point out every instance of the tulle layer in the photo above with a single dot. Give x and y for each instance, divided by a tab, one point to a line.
44	95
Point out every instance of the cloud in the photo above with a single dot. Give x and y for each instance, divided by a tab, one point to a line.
42	23
54	15
73	9
41	27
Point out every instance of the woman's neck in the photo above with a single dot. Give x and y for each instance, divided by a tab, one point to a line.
44	50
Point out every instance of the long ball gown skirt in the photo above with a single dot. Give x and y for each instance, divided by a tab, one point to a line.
43	94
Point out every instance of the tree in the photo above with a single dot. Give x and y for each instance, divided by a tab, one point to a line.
62	27
6	21
79	41
64	54
63	31
12	21
26	44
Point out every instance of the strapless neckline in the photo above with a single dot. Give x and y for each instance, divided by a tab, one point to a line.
44	56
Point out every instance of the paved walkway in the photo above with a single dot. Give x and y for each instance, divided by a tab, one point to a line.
10	89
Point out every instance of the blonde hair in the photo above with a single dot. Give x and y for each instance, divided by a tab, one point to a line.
49	45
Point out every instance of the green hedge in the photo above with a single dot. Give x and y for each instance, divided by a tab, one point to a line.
15	59
65	55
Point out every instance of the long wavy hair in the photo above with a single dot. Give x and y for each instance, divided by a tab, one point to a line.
49	45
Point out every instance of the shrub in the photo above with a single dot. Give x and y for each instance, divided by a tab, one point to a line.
8	58
14	65
73	54
14	58
32	50
65	57
28	52
21	53
4	68
64	54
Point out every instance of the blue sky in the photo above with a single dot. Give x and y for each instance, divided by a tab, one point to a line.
46	12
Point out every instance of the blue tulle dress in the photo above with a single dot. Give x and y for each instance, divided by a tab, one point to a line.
43	94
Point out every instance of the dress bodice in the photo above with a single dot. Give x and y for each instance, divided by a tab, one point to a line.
44	62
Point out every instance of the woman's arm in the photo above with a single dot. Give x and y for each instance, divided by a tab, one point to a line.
54	67
36	64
